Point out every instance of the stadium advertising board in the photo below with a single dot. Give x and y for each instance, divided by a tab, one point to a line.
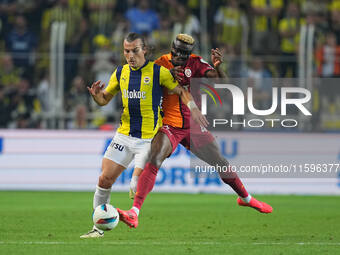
59	160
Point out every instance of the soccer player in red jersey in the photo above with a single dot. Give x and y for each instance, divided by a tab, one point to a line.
176	129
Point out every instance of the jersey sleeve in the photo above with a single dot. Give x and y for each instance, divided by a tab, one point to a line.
113	86
166	79
202	66
164	61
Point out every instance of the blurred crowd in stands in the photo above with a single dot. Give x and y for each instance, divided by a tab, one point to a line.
269	30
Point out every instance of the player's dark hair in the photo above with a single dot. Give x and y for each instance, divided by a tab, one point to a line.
134	36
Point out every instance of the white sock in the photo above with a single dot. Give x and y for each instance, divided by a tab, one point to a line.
136	210
246	199
133	183
101	196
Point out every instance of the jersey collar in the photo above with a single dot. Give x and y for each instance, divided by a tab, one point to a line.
132	69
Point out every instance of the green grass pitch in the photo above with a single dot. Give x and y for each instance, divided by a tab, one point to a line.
51	223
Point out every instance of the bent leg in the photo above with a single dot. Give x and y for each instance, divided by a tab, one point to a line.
161	148
210	154
110	172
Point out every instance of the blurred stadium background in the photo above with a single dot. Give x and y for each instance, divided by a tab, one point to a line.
53	132
53	136
50	50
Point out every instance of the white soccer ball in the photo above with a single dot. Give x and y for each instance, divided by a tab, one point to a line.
105	217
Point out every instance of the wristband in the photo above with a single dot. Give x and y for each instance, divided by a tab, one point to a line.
191	105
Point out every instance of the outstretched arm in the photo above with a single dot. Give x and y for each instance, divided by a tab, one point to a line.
100	96
168	81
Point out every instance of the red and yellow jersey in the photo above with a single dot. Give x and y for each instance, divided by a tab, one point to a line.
176	113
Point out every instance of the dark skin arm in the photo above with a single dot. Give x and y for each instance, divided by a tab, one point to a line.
217	60
217	72
186	97
177	73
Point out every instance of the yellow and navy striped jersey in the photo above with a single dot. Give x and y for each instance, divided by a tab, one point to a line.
141	95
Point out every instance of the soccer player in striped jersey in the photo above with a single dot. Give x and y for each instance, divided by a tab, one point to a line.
177	128
140	82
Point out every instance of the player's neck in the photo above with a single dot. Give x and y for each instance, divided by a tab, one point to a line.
139	67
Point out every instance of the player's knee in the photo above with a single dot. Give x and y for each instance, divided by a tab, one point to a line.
105	182
156	160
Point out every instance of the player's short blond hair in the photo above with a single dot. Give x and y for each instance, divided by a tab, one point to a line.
185	38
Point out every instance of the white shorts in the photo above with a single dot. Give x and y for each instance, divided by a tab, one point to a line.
123	149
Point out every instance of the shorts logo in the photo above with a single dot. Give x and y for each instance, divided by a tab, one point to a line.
147	80
117	146
187	72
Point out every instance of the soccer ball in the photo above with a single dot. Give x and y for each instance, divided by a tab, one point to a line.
105	217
